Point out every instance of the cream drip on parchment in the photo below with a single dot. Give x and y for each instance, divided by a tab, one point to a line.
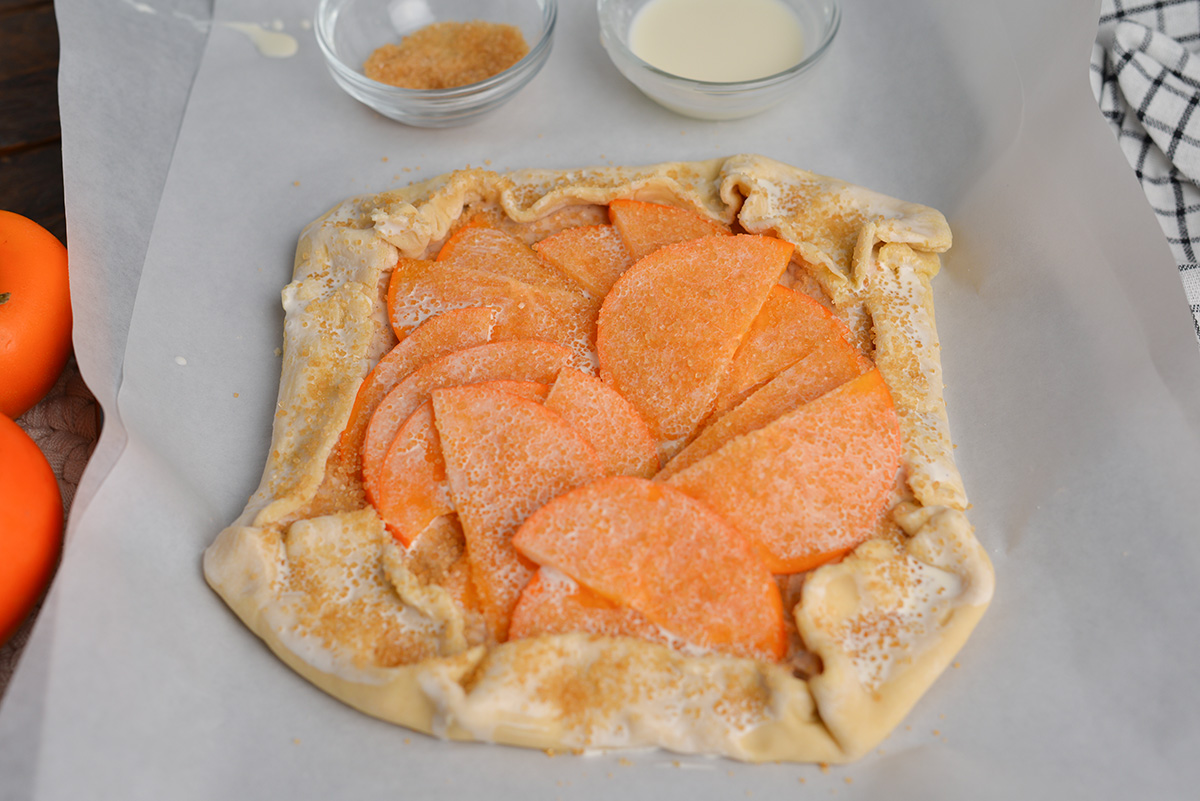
271	41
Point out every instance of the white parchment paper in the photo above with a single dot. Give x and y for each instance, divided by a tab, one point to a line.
1073	387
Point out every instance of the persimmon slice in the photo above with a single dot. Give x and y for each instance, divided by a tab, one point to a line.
437	336
671	324
420	288
613	427
648	546
490	250
594	256
512	360
812	483
824	369
789	326
412	490
553	603
505	457
646	227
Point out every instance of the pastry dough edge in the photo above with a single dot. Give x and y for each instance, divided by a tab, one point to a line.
398	695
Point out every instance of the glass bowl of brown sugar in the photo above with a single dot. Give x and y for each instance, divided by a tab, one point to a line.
435	63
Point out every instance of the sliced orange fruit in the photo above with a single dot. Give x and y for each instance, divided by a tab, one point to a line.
671	324
650	547
824	369
789	326
553	603
437	336
489	450
420	288
412	490
490	250
512	360
505	457
811	484
594	256
646	227
613	427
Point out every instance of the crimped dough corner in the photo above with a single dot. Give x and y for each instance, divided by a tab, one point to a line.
311	569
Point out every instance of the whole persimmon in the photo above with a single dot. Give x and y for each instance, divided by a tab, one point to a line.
35	312
31	522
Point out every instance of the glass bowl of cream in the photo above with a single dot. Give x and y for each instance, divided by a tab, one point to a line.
717	59
435	34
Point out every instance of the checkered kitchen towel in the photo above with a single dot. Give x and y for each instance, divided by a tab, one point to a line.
1146	77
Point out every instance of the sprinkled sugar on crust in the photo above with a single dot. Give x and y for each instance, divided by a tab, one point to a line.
312	570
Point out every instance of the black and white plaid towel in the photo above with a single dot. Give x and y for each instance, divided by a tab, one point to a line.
1146	77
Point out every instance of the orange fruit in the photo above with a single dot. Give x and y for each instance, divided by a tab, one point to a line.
594	256
607	421
515	360
811	484
441	334
419	289
652	548
31	521
490	250
789	326
35	312
412	489
825	368
505	457
670	326
495	459
552	603
646	227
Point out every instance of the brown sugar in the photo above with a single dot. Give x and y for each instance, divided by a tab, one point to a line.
447	54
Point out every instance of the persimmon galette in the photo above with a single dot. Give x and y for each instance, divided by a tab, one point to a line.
612	458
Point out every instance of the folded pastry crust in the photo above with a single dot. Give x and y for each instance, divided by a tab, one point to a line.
310	568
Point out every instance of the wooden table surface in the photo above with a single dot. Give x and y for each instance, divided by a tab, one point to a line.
31	178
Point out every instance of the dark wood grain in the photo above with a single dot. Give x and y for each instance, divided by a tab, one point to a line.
32	185
29	37
30	104
31	178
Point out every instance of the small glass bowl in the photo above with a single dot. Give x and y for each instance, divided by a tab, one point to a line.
348	31
709	100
